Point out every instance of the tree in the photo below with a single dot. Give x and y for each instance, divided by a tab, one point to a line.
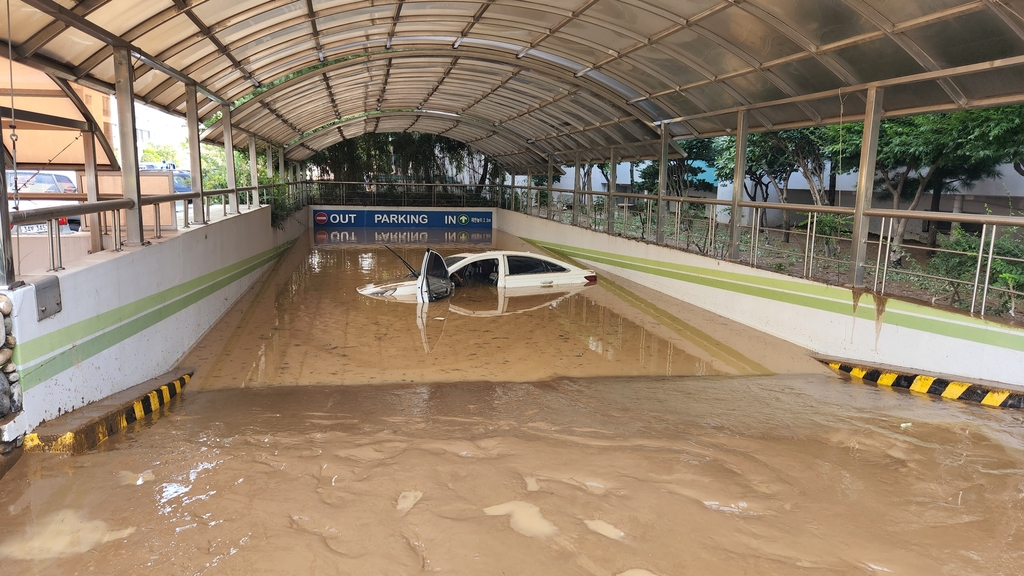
419	157
684	174
807	149
932	153
768	166
999	131
215	174
163	153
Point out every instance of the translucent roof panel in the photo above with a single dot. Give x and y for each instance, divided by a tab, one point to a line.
610	70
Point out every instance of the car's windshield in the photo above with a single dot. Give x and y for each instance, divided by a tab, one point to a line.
453	260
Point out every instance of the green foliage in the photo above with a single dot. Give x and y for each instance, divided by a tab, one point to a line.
427	158
765	160
683	173
541	181
282	205
961	261
163	152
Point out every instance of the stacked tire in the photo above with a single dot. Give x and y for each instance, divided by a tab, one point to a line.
10	385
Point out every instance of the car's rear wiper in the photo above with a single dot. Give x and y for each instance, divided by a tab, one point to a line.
415	273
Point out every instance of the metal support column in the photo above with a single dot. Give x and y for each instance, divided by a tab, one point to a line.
124	87
270	161
254	174
739	175
229	160
576	187
662	184
551	186
92	191
280	163
865	184
609	202
6	248
194	153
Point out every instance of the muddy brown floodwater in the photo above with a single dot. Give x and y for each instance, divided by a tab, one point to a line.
609	432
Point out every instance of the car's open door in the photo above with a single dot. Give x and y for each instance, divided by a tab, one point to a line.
433	283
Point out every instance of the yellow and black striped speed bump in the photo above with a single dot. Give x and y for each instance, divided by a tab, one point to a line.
88	435
951	389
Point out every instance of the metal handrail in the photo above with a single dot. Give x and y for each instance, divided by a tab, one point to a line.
38	215
176	197
1011	221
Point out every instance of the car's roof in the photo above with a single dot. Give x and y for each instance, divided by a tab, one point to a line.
502	252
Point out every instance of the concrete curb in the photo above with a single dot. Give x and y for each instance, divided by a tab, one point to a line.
85	428
951	389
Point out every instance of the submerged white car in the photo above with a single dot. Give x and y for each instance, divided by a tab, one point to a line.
507	270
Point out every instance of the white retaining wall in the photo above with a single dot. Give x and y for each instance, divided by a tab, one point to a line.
131	316
827	320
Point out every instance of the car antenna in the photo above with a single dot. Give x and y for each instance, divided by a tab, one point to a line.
415	272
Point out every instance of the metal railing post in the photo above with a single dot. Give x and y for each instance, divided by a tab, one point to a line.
659	236
988	268
738	178
7	276
977	269
551	186
117	231
878	258
56	245
577	186
609	203
888	251
49	237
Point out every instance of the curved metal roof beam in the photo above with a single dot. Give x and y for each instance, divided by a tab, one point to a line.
836	46
908	45
82	24
491	56
523	24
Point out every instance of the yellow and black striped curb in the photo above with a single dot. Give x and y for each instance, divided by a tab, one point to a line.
952	389
89	435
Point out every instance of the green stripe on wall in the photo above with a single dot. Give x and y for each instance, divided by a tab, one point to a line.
715	348
819	297
94	335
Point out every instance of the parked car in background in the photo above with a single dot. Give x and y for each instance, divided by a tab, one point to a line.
29	181
182	179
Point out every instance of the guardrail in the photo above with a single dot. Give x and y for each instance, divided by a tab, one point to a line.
285	196
817	245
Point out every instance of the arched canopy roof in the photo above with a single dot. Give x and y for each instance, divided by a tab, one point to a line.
522	79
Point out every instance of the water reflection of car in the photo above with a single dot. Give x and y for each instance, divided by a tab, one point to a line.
486	301
501	269
42	181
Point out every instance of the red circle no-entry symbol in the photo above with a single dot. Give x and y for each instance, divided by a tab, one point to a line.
321	237
321	218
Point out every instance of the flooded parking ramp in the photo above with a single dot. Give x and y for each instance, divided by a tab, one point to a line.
308	325
602	431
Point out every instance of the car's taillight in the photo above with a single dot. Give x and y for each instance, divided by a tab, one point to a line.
64	221
591	280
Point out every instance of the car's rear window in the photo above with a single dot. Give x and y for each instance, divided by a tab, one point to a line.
526	265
